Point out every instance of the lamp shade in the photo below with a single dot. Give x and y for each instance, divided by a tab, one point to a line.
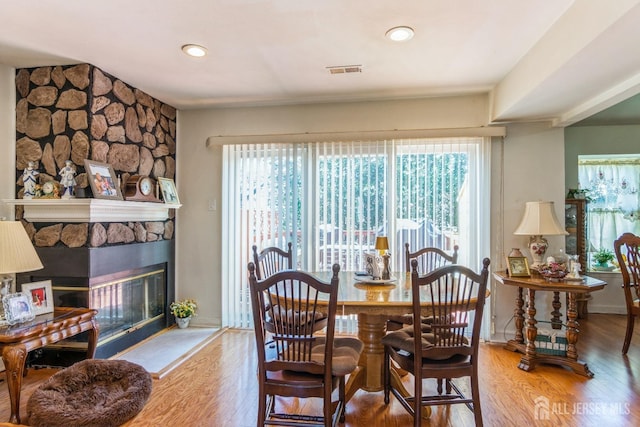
539	218
382	243
17	253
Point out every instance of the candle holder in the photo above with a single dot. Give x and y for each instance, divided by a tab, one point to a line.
386	273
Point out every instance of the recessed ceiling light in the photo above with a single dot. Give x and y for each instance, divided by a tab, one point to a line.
194	50
400	34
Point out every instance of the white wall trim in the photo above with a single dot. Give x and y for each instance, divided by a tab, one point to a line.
306	137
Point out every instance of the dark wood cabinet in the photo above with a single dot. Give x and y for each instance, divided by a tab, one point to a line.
575	222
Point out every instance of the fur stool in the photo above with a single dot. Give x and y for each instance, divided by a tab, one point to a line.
94	392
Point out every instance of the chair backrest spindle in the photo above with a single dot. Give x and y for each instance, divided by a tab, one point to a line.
272	260
457	294
429	258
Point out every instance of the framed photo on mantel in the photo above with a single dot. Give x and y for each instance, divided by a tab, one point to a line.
103	180
168	190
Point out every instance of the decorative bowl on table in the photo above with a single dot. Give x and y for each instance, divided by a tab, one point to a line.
553	271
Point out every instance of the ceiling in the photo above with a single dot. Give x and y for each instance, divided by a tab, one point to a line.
559	60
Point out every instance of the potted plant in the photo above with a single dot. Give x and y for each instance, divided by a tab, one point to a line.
602	258
183	311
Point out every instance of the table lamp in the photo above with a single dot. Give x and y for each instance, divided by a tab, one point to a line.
382	246
17	255
539	218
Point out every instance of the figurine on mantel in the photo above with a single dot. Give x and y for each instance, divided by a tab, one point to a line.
29	178
67	179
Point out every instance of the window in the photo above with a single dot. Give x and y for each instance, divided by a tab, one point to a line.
331	200
611	185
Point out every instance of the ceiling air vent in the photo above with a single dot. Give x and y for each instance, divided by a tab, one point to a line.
342	69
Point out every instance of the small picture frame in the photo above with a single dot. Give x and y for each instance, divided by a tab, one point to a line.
103	180
518	266
41	296
373	265
18	308
168	190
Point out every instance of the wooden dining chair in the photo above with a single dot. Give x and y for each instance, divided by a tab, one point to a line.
446	349
429	259
271	260
295	361
627	250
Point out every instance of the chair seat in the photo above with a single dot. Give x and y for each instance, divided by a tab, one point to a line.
346	352
292	317
455	362
403	339
294	379
407	319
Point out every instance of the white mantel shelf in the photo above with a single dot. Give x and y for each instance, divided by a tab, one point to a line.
91	210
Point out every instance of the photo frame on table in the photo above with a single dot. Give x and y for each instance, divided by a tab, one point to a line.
168	190
103	180
373	265
41	296
18	308
518	266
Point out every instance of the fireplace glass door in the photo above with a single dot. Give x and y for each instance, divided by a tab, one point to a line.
124	301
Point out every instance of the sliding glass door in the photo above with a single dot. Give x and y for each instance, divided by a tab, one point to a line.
332	199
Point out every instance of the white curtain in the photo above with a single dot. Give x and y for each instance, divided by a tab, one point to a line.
331	200
611	183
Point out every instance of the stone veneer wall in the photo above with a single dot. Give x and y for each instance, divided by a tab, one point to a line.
80	112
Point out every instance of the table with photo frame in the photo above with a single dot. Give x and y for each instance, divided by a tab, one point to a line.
16	341
525	338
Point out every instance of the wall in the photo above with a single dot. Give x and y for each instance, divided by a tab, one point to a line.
200	173
600	140
7	138
596	140
7	142
533	169
533	160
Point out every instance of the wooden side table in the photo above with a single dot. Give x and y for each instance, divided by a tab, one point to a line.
535	283
18	340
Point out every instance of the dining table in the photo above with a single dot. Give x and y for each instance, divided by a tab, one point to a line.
374	301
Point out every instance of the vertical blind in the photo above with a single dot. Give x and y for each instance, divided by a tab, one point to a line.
331	200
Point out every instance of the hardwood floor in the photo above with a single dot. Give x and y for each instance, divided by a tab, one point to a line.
217	387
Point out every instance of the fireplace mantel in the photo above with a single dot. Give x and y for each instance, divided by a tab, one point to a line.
91	210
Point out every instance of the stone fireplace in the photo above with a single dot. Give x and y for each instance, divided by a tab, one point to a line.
120	261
